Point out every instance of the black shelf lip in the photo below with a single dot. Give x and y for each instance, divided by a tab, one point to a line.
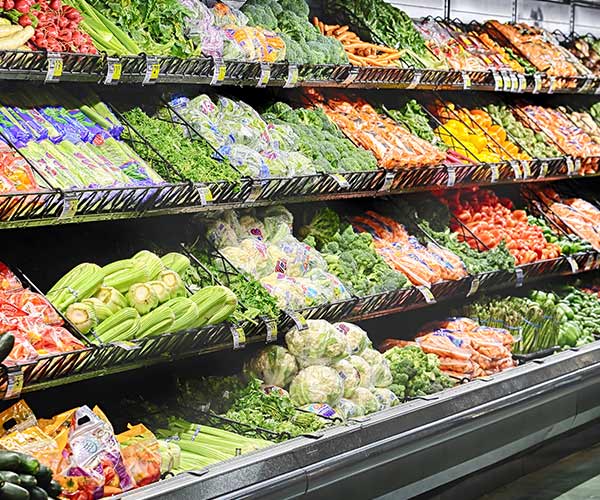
49	206
456	414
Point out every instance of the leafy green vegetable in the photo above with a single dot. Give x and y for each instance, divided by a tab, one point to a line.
214	393
415	373
412	116
191	158
321	140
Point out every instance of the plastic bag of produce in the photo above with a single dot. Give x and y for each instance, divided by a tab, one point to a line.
221	234
320	409
278	222
366	400
317	384
329	286
250	256
386	398
380	369
8	280
250	227
349	375
320	344
224	14
274	365
347	408
288	291
141	454
364	371
248	161
356	336
302	258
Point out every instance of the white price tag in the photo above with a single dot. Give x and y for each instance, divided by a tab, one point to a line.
238	336
570	166
507	81
577	165
206	196
299	320
514	82
352	75
70	204
55	67
522	82
152	71
114	68
292	77
219	71
474	285
590	261
495	172
389	181
416	79
466	78
265	75
543	169
525	169
451	170
255	192
519	277
271	326
537	83
14	385
127	345
427	294
552	85
498	81
516	169
573	263
341	180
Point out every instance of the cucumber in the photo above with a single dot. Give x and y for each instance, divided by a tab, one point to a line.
10	491
37	493
9	477
27	481
44	476
54	489
11	461
7	342
28	464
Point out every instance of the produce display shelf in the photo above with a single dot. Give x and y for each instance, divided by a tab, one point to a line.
95	361
152	69
482	422
54	206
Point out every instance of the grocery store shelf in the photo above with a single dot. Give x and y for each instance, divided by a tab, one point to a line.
96	361
433	441
50	207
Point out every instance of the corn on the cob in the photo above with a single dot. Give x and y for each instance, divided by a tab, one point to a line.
186	313
82	316
124	279
153	263
112	298
142	297
156	322
215	304
79	283
122	325
176	262
100	308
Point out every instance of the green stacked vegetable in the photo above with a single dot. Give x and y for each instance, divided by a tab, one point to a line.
321	140
595	112
22	477
414	372
304	42
569	244
351	256
192	158
412	116
534	143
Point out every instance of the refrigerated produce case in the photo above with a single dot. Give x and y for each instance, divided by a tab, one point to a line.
276	218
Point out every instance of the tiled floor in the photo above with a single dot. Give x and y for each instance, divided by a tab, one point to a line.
576	477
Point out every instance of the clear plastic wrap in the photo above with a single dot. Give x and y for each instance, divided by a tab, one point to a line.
349	375
317	384
274	365
320	344
356	336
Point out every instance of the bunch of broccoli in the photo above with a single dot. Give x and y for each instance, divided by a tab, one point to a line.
351	256
415	373
303	41
321	140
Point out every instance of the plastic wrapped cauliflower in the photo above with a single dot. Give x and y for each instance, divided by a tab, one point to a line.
349	375
380	368
357	337
365	399
274	365
317	384
364	371
349	409
386	398
320	344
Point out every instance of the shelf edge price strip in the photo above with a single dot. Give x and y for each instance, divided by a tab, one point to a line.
474	287
70	205
451	170
206	196
271	327
298	319
416	79
265	75
516	169
352	75
152	71
522	83
498	81
127	345
292	76
573	263
55	67
14	383
427	294
114	68
525	169
495	172
519	277
219	71
537	83
570	166
543	169
238	335
466	79
255	191
341	181
388	181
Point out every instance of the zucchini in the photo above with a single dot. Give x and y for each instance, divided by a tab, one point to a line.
54	489
44	476
7	342
28	464
37	493
10	491
9	477
11	461
27	481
